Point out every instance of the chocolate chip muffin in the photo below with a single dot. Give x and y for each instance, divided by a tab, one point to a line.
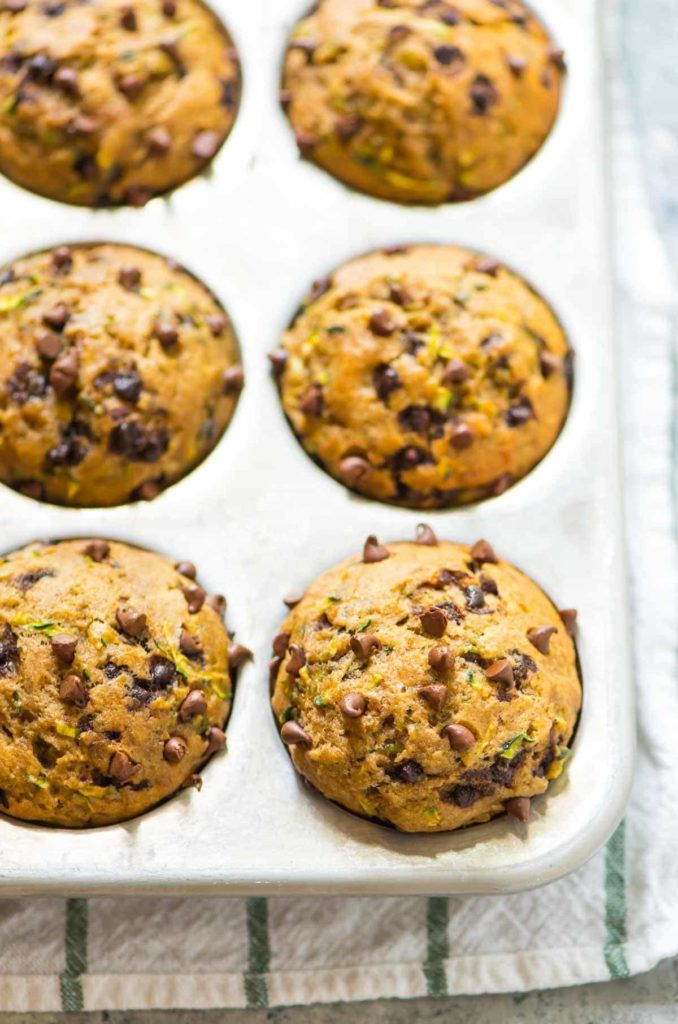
119	372
115	681
426	376
421	102
427	685
110	103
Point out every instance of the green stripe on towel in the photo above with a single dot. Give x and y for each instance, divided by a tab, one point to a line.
438	946
76	955
615	904
258	952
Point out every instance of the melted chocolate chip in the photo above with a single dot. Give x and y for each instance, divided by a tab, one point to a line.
138	443
449	56
162	671
26	383
520	412
409	771
415	418
9	650
28	580
385	380
483	94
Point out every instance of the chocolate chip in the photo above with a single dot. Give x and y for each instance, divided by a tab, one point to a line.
205	144
166	333
440	659
70	451
307	46
433	621
41	68
347	126
129	277
31	489
216	740
409	771
131	621
278	361
482	551
174	749
27	580
461	436
296	660
285	98
237	656
56	317
217	602
487	584
548	363
15	6
25	383
456	372
48	344
373	551
520	412
425	536
188	644
121	767
186	569
159	140
569	617
280	644
195	597
353	705
459	737
383	323
9	650
435	694
500	671
518	807
385	380
292	733
130	86
501	484
398	293
163	672
195	703
486	265
273	669
147	491
168	8
447	55
364	645
63	645
483	94
64	372
354	469
516	65
475	598
416	418
97	550
312	401
194	781
128	385
81	124
293	598
556	57
72	690
128	18
233	380
540	637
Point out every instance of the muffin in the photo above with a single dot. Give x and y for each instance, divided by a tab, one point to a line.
115	681
425	376
421	102
427	685
119	373
105	103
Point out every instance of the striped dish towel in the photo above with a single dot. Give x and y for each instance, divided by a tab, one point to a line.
616	916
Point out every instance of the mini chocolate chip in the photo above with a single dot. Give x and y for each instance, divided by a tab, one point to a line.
447	55
347	126
72	690
163	672
128	385
233	380
461	436
280	644
483	94
186	569
373	551
63	645
159	140
312	401
549	363
195	703
383	323
129	277
238	655
440	659
64	372
217	602
569	617
205	144
292	733
487	584
433	621
516	65
518	807
216	740
128	18
354	468
459	737
486	265
97	550
66	79
540	637
364	645
296	660
482	551
175	749
121	767
166	333
500	671
188	644
131	621
456	372
398	293
48	343
425	536
385	380
293	598
434	694
353	705
520	412
278	361
195	597
56	317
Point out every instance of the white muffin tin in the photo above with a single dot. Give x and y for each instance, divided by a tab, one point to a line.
260	519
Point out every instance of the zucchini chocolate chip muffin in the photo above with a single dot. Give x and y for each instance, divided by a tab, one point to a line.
421	102
104	103
118	373
425	376
427	685
115	681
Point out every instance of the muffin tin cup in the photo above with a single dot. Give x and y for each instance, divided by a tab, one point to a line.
260	519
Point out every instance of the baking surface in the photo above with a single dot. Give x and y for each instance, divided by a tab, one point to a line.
260	519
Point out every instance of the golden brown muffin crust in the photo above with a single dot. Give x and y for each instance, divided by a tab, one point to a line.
426	685
106	103
421	102
119	372
114	681
425	376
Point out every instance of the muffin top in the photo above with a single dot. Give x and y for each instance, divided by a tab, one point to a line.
111	103
119	373
421	102
427	685
425	375
114	681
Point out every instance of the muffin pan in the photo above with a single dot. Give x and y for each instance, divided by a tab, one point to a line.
259	519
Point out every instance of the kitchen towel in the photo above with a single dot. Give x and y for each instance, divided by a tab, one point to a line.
616	916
